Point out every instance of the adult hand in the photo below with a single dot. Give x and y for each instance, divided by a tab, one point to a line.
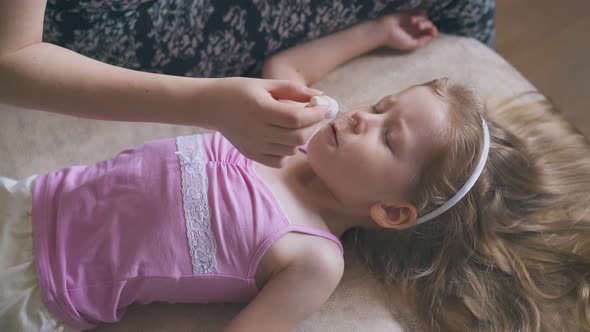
407	31
249	114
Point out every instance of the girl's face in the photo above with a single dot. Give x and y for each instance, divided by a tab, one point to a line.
376	159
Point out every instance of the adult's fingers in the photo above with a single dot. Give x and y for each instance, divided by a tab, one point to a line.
293	116
283	89
293	137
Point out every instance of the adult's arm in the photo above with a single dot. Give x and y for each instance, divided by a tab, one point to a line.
43	76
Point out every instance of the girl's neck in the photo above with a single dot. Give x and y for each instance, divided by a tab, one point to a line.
312	191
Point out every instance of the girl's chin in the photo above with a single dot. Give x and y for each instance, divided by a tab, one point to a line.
323	140
313	143
316	147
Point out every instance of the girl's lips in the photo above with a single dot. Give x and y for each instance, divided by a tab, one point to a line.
334	132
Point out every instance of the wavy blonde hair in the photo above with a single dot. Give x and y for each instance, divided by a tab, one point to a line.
514	253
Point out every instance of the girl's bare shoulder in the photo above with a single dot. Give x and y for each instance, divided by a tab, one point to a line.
313	254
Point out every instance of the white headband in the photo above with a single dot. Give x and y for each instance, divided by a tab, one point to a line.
468	185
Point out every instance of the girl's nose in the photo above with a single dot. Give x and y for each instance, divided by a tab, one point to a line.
363	119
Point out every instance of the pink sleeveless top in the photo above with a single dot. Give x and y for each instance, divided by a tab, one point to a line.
176	220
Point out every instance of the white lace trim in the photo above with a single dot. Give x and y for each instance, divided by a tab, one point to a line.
196	205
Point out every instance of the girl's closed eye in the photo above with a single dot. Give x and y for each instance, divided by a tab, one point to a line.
386	140
386	133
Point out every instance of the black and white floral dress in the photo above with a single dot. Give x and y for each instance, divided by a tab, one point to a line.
215	38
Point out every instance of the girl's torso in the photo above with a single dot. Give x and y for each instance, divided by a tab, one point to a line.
295	209
185	220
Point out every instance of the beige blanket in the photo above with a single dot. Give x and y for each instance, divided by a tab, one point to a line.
35	142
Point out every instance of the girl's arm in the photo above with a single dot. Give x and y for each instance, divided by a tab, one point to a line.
309	62
296	291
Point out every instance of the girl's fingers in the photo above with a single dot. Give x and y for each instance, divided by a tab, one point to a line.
430	30
423	25
426	26
433	31
419	16
417	20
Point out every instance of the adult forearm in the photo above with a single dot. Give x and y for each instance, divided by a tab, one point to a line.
50	78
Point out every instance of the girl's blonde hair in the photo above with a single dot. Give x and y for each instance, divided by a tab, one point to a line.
514	253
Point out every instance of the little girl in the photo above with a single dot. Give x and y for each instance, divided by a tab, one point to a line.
422	181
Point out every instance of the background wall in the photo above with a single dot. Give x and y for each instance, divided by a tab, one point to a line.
548	41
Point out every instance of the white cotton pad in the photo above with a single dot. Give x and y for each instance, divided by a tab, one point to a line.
325	100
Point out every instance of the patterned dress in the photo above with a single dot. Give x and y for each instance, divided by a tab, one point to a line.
216	38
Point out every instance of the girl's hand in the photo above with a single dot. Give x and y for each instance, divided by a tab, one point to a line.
407	31
248	113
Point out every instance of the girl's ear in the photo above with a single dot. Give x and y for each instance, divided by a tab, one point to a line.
393	216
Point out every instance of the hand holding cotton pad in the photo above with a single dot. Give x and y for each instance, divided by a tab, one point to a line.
325	100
